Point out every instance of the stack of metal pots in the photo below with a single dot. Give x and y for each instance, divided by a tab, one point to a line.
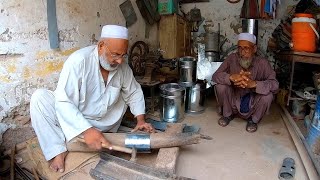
195	90
188	95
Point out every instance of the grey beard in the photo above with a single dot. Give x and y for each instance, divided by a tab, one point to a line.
105	64
245	63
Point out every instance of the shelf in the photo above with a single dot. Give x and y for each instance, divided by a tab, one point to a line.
303	57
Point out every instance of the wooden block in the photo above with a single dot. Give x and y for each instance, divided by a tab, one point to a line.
167	157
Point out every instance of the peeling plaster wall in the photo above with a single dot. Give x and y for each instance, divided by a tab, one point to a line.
228	15
26	60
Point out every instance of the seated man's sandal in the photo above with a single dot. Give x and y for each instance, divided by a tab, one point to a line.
251	126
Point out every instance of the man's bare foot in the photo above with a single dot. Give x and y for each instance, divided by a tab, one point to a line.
57	163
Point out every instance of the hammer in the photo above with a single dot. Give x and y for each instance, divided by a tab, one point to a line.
133	151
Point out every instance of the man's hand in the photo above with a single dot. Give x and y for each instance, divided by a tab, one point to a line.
242	80
242	76
143	126
94	139
246	84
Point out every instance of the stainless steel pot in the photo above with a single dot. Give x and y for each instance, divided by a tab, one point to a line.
195	98
250	26
212	56
172	105
188	71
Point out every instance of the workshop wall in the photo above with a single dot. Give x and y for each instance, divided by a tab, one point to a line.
26	60
228	15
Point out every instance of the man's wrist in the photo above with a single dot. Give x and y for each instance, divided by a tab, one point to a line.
254	85
140	118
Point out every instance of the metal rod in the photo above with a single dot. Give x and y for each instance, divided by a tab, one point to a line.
291	81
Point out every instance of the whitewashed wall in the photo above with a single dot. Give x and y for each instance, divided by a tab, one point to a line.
26	60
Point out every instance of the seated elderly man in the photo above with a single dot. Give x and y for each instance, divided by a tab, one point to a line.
91	97
245	84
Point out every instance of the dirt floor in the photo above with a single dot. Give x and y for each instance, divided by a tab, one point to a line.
232	154
236	154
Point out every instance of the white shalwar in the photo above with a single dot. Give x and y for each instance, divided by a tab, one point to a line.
83	100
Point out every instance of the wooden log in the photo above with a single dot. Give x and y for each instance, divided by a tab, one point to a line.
157	140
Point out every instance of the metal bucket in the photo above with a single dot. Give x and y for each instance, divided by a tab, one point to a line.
195	98
250	26
172	102
211	40
188	71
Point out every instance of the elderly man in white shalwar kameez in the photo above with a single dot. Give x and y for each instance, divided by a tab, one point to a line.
92	95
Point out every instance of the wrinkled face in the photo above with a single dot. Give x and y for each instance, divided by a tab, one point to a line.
114	50
246	49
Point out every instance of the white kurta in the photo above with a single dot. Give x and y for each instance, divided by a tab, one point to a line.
82	100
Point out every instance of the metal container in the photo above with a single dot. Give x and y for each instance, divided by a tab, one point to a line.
188	71
211	40
212	56
172	102
250	26
195	98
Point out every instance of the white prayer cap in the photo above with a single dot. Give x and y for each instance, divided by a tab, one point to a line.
114	31
247	37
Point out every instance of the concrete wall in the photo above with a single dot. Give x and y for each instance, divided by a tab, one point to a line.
228	15
26	60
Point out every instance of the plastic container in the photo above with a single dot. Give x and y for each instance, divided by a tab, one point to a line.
304	33
167	6
313	137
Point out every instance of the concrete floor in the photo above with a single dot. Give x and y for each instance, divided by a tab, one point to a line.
233	153
236	154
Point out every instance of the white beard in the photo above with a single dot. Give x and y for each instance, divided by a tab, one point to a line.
104	63
245	62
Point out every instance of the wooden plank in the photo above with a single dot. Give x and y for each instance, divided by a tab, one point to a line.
307	156
167	157
167	35
303	57
299	53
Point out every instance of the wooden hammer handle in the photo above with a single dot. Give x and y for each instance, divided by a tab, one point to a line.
112	147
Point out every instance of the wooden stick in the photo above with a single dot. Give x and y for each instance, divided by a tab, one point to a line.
13	151
35	174
113	147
